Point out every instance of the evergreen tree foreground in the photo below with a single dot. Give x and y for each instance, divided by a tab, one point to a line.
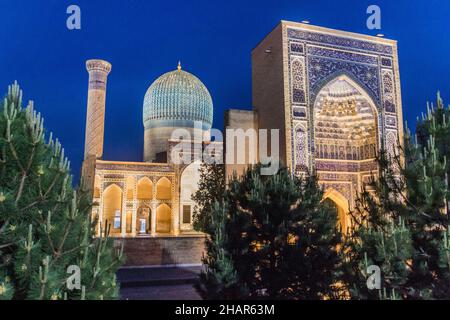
46	231
402	223
272	237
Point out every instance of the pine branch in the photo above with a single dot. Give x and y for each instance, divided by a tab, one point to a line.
43	277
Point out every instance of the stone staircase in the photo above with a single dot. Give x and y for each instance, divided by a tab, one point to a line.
184	250
157	276
158	283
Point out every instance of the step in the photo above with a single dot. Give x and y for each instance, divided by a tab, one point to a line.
153	251
157	276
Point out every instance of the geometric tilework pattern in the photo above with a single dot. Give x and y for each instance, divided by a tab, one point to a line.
178	95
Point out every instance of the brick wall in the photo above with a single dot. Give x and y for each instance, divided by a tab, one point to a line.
163	250
268	88
240	119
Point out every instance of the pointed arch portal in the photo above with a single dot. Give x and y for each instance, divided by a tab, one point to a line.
338	202
345	141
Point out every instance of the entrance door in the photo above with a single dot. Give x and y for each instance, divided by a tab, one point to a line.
143	221
340	213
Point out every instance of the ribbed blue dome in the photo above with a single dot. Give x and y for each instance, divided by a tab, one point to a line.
177	98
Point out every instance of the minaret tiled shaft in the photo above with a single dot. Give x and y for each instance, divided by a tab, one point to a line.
95	118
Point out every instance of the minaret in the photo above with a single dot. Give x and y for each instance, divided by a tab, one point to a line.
95	118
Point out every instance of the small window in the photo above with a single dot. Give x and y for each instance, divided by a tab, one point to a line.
186	214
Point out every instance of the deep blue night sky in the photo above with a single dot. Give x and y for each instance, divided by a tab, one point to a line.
213	39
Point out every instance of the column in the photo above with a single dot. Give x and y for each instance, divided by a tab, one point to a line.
100	226
123	221
175	217
153	226
134	212
176	203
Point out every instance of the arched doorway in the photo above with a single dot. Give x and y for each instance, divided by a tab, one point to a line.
336	201
346	138
188	186
143	220
112	208
163	219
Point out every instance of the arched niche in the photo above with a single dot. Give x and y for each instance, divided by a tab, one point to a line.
301	148
145	189
143	220
163	219
188	186
345	122
163	189
112	208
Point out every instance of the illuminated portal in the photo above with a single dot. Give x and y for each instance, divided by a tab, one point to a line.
340	212
335	97
345	134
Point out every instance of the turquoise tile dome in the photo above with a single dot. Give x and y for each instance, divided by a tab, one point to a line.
177	98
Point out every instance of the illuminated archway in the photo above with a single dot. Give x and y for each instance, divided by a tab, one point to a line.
189	185
341	204
145	189
346	140
143	220
163	189
163	219
112	208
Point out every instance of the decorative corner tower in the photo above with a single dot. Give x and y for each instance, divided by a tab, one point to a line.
95	118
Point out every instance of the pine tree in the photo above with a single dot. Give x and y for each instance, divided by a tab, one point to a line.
387	248
219	280
379	237
45	225
210	189
435	122
259	209
403	218
278	239
314	260
427	178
